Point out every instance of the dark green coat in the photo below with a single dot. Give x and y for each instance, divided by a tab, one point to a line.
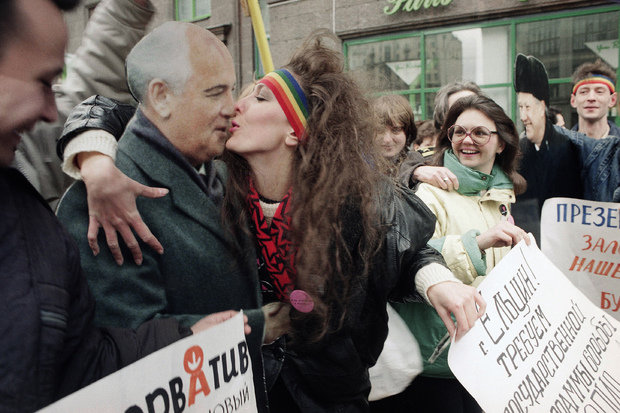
200	272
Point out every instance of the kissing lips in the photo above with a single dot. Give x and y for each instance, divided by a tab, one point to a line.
234	126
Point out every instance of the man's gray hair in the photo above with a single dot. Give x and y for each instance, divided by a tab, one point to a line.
162	54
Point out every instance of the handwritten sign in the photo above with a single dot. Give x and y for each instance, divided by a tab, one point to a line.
541	346
206	372
582	239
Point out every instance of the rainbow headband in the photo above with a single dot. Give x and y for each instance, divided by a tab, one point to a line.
291	98
595	79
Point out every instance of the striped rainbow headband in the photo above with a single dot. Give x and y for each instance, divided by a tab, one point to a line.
595	79
291	98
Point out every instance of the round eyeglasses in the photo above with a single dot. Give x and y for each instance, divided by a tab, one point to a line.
480	135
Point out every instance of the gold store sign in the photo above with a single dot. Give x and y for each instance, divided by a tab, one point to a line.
413	5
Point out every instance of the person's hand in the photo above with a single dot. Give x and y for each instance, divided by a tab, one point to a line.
21	104
217	318
277	320
112	205
504	234
464	301
438	176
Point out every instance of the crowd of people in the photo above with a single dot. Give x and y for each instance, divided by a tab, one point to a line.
301	186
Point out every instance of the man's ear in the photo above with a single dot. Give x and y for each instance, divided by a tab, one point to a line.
159	98
613	100
291	139
573	103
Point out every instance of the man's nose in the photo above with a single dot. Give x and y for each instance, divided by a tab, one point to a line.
228	106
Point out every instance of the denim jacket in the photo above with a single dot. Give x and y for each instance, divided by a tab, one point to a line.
600	164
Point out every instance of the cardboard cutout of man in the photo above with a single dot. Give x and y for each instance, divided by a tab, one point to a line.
550	162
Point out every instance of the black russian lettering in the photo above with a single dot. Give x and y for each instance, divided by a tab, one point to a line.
244	358
232	372
176	394
216	376
152	397
229	405
485	319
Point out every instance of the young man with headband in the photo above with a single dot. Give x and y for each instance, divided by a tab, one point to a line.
594	93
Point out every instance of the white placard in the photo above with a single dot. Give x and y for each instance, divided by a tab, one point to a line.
206	372
582	239
541	346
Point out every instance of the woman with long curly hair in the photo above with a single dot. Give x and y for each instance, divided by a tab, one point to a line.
480	145
334	238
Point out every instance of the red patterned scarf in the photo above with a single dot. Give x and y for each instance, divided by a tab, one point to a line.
274	243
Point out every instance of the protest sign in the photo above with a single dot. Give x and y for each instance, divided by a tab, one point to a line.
541	346
208	372
581	239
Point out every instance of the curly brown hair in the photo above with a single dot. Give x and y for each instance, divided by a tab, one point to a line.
509	159
335	176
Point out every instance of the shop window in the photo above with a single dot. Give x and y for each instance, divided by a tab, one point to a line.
570	41
389	65
481	55
190	10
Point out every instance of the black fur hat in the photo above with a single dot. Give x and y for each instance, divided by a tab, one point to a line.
531	77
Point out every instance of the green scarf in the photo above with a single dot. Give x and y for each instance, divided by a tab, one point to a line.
471	182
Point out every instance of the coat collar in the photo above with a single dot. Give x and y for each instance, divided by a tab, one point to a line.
472	182
144	144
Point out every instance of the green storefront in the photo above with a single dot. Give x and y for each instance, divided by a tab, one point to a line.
417	63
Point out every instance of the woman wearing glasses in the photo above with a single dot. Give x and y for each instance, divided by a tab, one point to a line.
474	230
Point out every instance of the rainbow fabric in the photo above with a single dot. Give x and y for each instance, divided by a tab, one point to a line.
595	79
291	98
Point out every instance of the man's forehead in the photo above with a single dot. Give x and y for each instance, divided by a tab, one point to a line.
41	38
523	97
593	85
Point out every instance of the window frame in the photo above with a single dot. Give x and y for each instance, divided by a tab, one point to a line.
194	16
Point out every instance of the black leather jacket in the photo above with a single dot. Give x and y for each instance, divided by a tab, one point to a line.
96	112
333	376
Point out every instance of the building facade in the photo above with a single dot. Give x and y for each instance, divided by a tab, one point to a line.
413	47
